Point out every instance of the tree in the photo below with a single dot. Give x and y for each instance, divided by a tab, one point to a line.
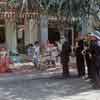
12	3
65	10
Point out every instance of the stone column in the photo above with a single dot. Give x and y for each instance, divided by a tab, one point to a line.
91	18
87	21
31	30
11	40
84	25
27	34
44	29
90	24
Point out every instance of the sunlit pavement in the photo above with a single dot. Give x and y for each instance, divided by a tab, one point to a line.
31	73
48	89
48	85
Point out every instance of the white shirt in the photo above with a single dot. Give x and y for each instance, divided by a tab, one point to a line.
36	54
59	46
54	52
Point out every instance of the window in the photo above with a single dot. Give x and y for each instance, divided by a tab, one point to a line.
2	35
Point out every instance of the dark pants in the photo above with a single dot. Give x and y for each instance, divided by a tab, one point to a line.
65	70
93	70
64	62
98	65
80	65
95	73
89	67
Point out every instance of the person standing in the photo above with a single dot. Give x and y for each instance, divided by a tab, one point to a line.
48	53
54	54
93	47
30	51
88	58
36	55
96	59
80	59
65	58
59	48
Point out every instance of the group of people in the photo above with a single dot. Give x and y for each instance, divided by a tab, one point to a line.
33	52
88	57
87	52
51	53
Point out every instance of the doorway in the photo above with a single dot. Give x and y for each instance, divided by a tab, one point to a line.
2	35
53	35
20	41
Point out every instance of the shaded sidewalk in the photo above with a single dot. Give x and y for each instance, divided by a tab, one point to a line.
28	71
32	73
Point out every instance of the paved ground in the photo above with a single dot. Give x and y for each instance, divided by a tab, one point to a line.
28	67
48	89
48	85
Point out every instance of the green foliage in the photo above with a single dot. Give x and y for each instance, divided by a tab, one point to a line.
66	7
77	26
73	8
12	3
2	9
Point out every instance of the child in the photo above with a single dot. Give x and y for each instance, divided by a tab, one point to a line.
48	53
59	49
30	51
54	54
36	54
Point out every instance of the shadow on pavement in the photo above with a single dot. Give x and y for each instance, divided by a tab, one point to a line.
45	89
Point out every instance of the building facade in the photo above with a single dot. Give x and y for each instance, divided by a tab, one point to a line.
15	29
18	29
